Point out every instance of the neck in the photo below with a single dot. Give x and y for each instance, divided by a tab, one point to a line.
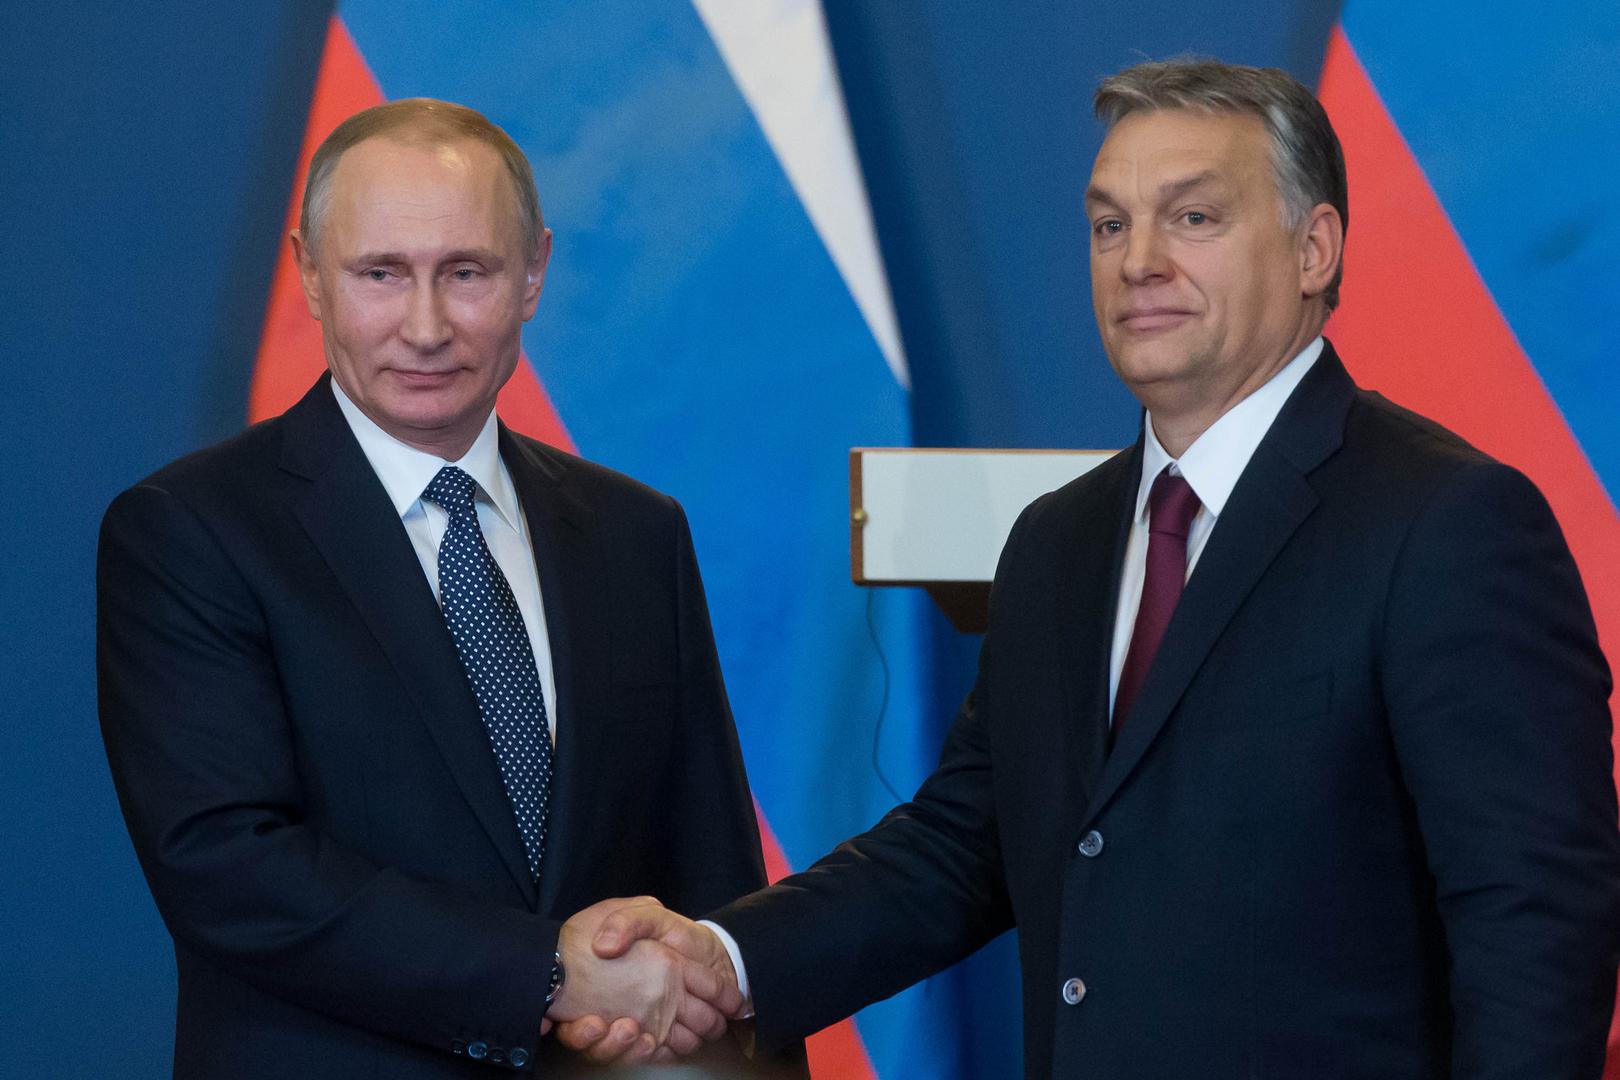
449	445
1181	414
1176	434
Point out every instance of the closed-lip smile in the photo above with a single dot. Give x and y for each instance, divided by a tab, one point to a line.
423	377
1154	318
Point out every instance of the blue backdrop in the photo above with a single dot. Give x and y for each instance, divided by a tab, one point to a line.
692	318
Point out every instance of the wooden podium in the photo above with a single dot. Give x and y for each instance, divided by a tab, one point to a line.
938	518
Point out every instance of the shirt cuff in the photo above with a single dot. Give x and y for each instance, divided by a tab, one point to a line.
736	965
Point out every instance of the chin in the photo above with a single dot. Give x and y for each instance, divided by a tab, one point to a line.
422	412
417	408
1150	362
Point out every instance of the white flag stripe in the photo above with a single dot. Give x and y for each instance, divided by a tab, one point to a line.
781	59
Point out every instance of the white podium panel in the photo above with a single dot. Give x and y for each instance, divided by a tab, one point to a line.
927	517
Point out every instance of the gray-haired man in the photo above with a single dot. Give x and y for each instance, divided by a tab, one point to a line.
1289	750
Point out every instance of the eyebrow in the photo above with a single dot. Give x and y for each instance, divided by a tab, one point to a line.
1167	191
398	258
483	255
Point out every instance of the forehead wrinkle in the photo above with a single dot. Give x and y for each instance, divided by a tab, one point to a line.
1211	178
420	205
361	178
1167	191
1186	146
383	212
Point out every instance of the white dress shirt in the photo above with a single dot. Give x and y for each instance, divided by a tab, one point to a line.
1211	466
405	473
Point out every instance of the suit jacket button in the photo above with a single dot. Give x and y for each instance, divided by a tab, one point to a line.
478	1050
1091	844
497	1055
518	1056
1073	992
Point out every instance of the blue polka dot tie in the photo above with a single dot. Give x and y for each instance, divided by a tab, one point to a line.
494	646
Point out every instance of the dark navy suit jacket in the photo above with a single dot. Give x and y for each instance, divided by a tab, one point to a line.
308	781
1360	822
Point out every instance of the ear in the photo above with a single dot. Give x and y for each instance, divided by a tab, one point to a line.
1321	246
536	275
308	273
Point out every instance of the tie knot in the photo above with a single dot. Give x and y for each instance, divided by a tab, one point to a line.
1171	505
451	488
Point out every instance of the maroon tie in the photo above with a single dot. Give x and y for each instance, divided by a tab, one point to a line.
1171	508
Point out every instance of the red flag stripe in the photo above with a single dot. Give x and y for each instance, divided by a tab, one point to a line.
290	354
1418	324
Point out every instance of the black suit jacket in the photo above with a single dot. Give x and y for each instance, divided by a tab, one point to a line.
308	781
1359	823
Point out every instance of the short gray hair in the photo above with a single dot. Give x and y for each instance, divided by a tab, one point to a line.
418	121
1306	157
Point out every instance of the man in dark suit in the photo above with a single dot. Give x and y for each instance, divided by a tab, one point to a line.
1289	750
389	690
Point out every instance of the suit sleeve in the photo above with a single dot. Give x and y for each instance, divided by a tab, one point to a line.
717	832
919	891
1497	697
206	768
914	894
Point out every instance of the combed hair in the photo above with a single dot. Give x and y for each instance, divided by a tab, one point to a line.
418	121
1306	157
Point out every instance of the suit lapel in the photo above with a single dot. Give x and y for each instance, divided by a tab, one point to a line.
349	517
1094	536
576	594
1271	500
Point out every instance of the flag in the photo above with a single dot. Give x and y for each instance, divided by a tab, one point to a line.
715	322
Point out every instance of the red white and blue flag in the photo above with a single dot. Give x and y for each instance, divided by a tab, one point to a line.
717	322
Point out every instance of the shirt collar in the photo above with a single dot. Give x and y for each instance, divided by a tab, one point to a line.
406	471
1215	460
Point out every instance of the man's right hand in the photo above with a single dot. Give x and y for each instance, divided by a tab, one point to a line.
631	931
665	982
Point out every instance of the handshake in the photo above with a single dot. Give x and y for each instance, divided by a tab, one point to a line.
641	983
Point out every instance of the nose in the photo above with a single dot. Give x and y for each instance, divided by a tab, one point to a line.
426	326
1145	258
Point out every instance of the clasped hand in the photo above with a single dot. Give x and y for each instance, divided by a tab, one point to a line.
642	983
